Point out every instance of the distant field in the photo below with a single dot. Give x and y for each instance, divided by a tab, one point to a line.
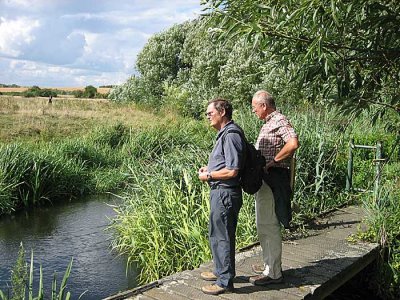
67	89
34	118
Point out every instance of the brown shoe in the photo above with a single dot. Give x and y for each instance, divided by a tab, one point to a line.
208	276
258	269
264	280
215	289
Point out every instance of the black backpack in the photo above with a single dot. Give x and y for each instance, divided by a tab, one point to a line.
251	173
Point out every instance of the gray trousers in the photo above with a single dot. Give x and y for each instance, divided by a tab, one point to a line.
269	232
225	205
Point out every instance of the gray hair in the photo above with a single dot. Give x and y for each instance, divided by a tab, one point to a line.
264	97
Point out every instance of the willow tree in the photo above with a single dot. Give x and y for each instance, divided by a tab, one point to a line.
347	52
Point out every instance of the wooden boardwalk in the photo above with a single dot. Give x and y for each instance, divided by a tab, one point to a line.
313	267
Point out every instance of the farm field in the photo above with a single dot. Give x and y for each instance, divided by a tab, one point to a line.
66	89
35	119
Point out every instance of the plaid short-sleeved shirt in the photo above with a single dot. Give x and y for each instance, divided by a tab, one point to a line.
276	131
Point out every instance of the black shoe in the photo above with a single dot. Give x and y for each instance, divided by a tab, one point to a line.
264	280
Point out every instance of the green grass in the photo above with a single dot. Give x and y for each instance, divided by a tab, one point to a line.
162	224
33	119
68	149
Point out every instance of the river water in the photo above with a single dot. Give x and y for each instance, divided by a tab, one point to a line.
58	233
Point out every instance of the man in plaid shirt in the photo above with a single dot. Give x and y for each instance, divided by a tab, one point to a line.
278	142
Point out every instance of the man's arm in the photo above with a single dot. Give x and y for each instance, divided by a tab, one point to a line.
222	174
287	151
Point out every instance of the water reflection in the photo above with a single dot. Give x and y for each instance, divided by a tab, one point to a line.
60	232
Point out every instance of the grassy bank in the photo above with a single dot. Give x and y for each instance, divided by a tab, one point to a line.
69	148
153	162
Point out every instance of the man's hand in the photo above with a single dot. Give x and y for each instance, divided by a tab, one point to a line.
203	176
203	171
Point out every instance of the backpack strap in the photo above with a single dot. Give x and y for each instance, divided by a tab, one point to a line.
234	130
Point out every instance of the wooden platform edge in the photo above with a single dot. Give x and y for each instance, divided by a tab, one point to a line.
133	292
345	275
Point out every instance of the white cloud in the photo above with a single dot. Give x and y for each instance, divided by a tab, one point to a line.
44	75
16	34
68	42
18	3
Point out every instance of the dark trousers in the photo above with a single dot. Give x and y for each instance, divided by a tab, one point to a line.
279	181
225	205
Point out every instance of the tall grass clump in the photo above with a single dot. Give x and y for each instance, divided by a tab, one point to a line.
321	161
163	225
31	177
33	174
22	286
383	218
161	139
165	228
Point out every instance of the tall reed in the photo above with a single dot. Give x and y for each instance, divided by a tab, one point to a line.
20	282
30	177
383	219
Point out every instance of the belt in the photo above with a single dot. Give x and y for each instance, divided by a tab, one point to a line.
220	187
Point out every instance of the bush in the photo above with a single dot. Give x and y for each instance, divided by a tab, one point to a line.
36	91
90	92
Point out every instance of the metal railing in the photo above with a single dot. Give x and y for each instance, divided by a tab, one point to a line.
377	161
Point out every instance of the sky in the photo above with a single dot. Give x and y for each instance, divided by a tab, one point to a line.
70	43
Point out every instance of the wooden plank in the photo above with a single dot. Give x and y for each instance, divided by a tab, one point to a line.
133	292
140	297
347	273
163	294
244	271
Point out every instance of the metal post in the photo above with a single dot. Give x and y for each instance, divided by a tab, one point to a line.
349	178
378	159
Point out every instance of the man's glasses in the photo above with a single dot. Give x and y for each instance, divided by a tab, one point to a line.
209	114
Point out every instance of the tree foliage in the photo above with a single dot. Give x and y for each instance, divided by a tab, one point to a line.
36	91
345	51
89	92
320	51
194	67
160	60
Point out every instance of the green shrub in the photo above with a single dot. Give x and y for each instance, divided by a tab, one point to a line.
90	92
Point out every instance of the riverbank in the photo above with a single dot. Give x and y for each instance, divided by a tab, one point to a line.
162	224
68	149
